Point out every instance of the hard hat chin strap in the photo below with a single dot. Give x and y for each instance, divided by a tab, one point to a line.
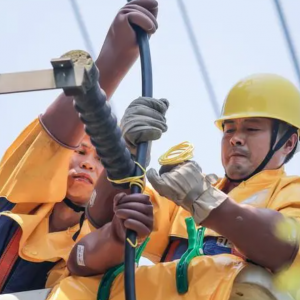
73	206
273	149
77	209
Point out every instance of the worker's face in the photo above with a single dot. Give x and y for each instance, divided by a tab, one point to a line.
245	144
85	169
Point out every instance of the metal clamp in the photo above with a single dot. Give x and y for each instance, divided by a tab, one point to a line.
64	75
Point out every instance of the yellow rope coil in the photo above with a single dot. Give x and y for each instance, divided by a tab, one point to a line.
177	154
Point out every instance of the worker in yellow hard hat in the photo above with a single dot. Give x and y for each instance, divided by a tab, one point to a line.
260	121
264	96
50	171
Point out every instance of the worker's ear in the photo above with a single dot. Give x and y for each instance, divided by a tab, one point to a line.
290	144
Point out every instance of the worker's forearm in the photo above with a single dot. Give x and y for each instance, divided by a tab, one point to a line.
99	250
252	230
113	64
100	211
62	122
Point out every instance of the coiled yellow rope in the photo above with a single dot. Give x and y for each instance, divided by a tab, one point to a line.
176	155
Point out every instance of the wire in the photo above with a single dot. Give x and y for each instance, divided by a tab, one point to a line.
83	30
288	38
199	57
85	35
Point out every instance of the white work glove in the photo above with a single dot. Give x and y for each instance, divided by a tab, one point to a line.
144	121
188	187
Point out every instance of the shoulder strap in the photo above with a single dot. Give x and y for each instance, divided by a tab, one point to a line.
9	257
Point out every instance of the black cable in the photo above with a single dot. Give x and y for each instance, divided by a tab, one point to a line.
199	58
101	125
147	90
146	68
288	38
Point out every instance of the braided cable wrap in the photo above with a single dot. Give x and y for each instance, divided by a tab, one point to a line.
100	124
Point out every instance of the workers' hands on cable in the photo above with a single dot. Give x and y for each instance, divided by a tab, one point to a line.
144	121
133	212
187	186
142	13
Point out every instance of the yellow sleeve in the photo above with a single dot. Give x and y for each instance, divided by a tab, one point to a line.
287	201
289	278
163	216
34	168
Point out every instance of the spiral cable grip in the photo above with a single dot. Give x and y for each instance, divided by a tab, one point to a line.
100	124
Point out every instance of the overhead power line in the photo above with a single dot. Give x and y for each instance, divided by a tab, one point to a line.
85	35
83	30
199	57
288	38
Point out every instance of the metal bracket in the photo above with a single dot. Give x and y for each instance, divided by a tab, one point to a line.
64	75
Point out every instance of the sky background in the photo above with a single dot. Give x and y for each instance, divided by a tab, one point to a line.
236	38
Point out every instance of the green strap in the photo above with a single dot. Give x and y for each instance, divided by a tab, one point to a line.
140	250
107	281
195	248
110	275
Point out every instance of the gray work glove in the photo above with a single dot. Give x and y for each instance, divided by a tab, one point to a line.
144	121
188	187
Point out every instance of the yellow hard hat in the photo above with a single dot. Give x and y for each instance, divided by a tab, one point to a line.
263	95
